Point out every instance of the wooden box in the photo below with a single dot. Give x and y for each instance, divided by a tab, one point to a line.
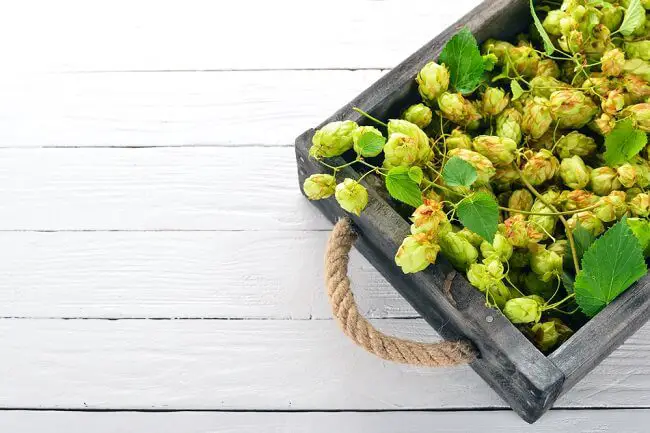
526	379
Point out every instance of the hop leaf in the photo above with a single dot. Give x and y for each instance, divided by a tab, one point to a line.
583	239
402	187
464	61
479	212
458	172
416	175
633	18
517	91
371	144
623	143
548	45
612	264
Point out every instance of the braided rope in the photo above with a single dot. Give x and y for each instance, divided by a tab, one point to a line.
346	312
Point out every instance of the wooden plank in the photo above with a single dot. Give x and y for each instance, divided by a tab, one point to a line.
171	109
202	34
257	274
584	421
258	364
153	189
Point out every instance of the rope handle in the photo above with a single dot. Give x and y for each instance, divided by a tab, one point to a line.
355	326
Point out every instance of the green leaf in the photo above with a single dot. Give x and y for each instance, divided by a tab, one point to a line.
416	175
612	264
464	61
479	212
458	172
623	143
517	91
401	187
568	281
633	19
582	239
548	44
371	144
641	229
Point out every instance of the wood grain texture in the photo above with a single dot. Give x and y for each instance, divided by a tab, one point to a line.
587	421
258	364
153	189
256	274
203	34
170	109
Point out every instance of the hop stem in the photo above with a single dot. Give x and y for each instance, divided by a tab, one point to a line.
569	232
374	119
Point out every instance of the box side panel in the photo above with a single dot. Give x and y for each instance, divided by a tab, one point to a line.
604	333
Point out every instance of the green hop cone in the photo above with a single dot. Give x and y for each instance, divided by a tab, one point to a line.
545	335
642	168
433	80
543	87
484	168
498	294
604	124
640	205
478	276
612	62
612	17
521	199
572	108
351	196
509	125
504	177
548	68
457	250
611	207
458	140
497	149
494	101
537	117
519	232
430	219
319	186
418	114
574	172
541	167
359	132
544	224
535	286
636	87
563	330
546	264
640	115
456	108
575	144
638	50
614	102
599	84
604	180
407	145
524	310
416	253
333	139
524	59
577	199
561	248
552	22
588	220
638	67
519	259
498	48
499	247
627	175
472	238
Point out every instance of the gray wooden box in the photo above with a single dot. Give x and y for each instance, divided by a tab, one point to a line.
526	379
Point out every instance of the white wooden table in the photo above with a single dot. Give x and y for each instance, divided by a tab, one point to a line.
159	269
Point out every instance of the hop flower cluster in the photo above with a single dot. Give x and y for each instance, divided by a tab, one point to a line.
558	144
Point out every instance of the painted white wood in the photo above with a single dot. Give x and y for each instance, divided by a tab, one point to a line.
171	109
258	364
153	189
73	35
252	274
587	421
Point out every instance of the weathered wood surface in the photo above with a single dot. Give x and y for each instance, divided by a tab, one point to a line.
145	233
